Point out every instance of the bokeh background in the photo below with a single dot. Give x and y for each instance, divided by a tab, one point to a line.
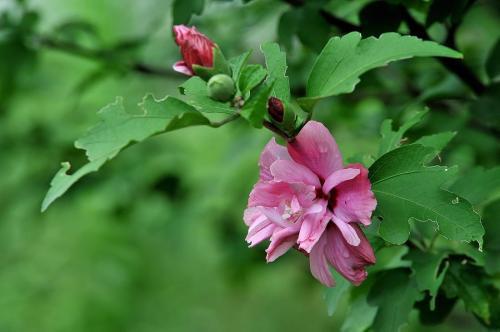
155	240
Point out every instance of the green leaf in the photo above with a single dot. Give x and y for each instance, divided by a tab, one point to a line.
492	64
344	59
485	108
255	109
427	273
196	90
313	30
390	258
361	313
182	10
479	186
334	294
251	76
119	129
394	293
406	189
237	64
392	139
437	141
469	283
276	68
491	243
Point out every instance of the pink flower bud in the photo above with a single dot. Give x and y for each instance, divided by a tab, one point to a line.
275	109
196	49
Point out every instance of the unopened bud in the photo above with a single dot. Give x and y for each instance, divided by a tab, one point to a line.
275	109
221	87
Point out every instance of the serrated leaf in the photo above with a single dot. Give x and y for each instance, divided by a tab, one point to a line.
437	141
361	313
392	139
182	10
394	293
119	129
255	109
195	89
479	185
237	64
251	76
428	275
344	59
276	68
470	284
333	295
406	189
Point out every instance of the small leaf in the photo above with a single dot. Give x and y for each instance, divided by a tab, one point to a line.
390	258
196	90
406	189
251	76
119	129
276	68
334	294
392	139
344	59
182	10
394	293
428	275
237	64
255	109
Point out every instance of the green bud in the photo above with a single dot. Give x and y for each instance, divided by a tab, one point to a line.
221	87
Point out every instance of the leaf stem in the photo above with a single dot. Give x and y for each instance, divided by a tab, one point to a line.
217	124
277	131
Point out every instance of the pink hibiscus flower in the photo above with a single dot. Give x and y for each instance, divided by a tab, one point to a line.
306	199
196	49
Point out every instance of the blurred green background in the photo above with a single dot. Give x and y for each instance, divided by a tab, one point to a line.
155	240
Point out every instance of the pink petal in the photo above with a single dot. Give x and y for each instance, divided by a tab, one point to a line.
318	263
348	232
181	33
181	67
313	226
270	194
315	148
272	152
354	200
348	260
281	242
291	172
338	177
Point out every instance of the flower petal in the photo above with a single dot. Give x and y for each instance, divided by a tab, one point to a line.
281	242
291	172
318	263
181	67
272	152
270	194
348	260
315	148
348	232
338	177
354	199
313	226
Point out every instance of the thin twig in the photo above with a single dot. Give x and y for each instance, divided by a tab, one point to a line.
232	117
277	130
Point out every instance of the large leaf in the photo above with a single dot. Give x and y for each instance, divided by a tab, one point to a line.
182	10
276	68
344	59
117	130
394	293
333	295
391	139
406	189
